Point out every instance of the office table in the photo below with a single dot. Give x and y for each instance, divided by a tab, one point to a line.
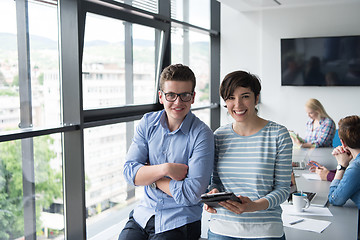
344	222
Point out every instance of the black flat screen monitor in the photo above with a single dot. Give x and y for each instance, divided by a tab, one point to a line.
320	61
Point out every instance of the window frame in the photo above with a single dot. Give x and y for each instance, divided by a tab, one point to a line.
120	11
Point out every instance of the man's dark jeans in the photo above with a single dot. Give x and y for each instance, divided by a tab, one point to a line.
133	231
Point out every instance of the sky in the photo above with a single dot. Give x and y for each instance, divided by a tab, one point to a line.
7	16
44	25
43	22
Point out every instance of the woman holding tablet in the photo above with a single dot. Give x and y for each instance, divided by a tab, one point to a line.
320	128
253	160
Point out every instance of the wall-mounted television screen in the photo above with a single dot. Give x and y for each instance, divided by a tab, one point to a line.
320	61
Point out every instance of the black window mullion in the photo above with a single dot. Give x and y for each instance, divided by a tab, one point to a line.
129	89
186	33
215	64
28	175
164	10
129	72
71	33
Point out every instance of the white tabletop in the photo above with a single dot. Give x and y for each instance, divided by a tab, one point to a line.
344	222
321	155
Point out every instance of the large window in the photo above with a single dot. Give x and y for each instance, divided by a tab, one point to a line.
31	192
75	78
44	64
195	12
117	72
39	91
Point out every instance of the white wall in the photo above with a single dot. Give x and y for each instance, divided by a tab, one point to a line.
251	41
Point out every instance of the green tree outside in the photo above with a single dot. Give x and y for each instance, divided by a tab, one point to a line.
41	79
16	81
2	79
205	93
48	184
9	92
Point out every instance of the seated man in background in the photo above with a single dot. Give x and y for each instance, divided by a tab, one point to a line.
346	181
172	156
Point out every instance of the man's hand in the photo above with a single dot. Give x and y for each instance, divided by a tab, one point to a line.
176	171
340	150
343	159
342	155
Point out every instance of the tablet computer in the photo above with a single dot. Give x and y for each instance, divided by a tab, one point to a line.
294	135
213	199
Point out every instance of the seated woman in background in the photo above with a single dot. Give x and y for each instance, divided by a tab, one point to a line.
320	128
346	181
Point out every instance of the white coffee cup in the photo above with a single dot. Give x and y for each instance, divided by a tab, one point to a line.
300	201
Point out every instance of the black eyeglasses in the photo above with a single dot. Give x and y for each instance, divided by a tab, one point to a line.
171	97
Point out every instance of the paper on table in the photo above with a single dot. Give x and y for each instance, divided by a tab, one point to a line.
311	176
308	224
311	211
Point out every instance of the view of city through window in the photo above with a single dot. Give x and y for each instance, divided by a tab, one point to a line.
111	77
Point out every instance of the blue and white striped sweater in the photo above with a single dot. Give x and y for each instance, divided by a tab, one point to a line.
256	166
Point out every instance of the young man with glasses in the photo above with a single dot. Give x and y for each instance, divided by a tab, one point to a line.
172	156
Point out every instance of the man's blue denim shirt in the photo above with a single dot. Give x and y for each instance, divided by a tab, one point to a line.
348	187
192	144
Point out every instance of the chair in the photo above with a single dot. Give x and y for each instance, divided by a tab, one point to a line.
336	141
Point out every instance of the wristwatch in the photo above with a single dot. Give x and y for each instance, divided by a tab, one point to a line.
340	167
153	185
